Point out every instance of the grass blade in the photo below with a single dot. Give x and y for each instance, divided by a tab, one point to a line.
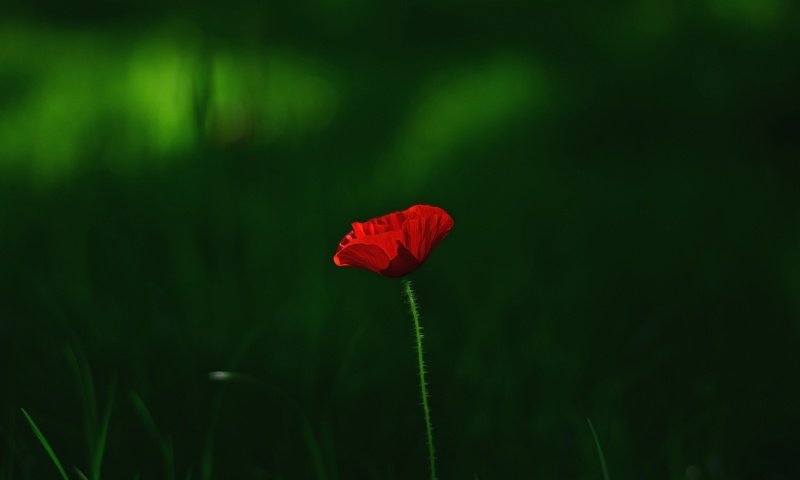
599	451
102	434
164	443
45	444
83	374
313	449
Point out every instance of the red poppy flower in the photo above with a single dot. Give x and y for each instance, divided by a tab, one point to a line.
396	244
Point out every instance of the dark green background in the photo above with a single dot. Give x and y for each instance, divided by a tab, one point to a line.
174	179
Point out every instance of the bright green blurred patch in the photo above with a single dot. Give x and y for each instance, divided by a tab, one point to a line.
459	109
758	14
91	96
267	97
84	96
156	93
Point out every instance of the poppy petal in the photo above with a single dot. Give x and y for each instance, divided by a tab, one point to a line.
370	257
387	223
402	264
425	230
395	244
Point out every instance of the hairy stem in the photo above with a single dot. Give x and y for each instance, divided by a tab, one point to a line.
412	303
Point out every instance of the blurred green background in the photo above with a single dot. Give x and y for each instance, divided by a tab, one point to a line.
175	177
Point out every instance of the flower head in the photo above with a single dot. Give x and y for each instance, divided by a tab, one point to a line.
396	244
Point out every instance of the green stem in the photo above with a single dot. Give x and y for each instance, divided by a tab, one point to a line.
412	303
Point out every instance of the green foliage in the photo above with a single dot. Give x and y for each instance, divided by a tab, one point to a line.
602	457
162	442
46	445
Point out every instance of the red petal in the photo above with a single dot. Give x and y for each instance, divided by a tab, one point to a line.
370	257
396	244
386	223
373	252
425	229
402	264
